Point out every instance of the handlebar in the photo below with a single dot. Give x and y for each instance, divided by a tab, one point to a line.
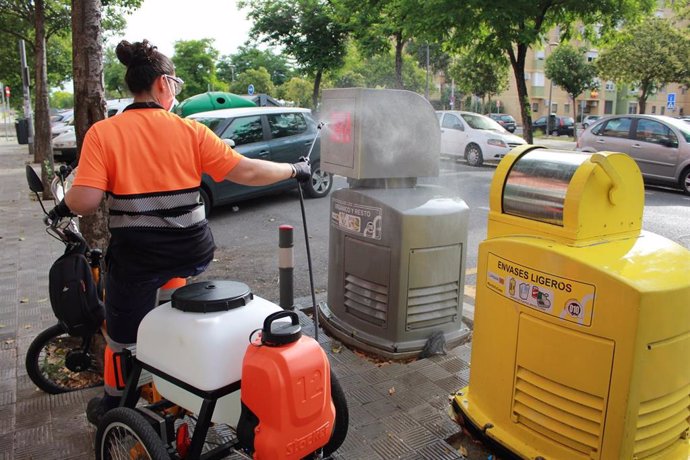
64	171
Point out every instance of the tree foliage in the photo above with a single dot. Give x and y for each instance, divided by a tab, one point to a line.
377	71
61	100
510	27
647	55
114	76
195	63
305	29
250	57
297	90
568	68
260	78
378	25
481	75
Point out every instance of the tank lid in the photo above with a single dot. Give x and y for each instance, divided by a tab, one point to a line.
211	296
277	333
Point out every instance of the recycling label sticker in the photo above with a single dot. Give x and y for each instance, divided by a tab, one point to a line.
357	218
555	295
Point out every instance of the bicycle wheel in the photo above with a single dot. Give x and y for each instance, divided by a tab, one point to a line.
57	362
342	417
125	434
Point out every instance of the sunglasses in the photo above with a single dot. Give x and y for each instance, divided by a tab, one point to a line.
178	82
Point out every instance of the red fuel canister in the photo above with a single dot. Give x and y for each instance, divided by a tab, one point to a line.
287	411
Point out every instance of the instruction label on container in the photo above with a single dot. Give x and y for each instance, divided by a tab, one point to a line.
356	218
555	295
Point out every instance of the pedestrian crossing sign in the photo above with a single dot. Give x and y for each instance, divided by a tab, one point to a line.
671	101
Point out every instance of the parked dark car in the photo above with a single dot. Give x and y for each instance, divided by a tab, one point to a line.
280	134
505	120
558	125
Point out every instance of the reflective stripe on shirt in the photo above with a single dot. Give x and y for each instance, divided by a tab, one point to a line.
180	209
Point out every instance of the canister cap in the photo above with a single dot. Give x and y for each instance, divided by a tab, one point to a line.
279	333
211	296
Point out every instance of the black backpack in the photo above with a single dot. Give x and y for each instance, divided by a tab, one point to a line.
74	295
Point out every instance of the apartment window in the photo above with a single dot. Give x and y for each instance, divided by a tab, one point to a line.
592	55
632	107
663	110
683	90
608	107
539	55
535	107
653	109
610	86
566	108
538	79
554	108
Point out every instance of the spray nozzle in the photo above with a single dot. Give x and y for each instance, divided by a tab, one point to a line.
321	125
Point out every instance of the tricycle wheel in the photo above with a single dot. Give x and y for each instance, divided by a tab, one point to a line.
342	417
125	434
58	363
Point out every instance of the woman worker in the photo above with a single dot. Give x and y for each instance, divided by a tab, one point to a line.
149	164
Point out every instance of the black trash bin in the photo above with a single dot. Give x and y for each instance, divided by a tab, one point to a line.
22	128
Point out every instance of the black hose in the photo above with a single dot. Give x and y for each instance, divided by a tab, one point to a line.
311	275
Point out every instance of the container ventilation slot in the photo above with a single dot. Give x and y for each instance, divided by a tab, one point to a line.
432	305
366	300
568	416
661	422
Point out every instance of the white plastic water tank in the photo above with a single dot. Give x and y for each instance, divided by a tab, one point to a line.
202	347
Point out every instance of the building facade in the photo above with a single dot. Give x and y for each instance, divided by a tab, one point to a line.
673	99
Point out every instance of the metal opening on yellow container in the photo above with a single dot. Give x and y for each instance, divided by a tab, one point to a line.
536	185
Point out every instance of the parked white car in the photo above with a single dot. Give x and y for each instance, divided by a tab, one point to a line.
474	137
65	141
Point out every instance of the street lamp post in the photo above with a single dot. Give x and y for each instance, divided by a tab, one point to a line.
548	112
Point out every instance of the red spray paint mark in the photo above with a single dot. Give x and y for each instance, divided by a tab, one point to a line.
340	127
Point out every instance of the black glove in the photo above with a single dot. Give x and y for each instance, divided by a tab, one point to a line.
302	170
60	211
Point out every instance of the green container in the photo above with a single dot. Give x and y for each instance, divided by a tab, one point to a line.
212	100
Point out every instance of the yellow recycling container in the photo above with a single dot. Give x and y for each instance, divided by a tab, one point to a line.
581	345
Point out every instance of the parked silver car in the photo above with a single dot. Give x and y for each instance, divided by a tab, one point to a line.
659	144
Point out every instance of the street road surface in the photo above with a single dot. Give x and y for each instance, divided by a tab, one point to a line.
248	238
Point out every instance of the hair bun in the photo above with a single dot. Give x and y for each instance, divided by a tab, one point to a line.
137	53
124	52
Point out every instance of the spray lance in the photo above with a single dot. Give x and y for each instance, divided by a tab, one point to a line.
306	238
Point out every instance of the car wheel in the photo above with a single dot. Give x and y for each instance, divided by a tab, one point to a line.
555	133
320	183
473	155
685	181
206	201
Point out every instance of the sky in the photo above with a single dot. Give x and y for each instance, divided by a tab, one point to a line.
163	22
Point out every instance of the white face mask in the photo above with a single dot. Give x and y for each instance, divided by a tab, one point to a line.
172	93
174	88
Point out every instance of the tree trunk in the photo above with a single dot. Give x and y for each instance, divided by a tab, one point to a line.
43	151
518	64
399	44
89	95
317	87
642	99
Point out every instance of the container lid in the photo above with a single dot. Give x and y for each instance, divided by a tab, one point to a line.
211	296
277	333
